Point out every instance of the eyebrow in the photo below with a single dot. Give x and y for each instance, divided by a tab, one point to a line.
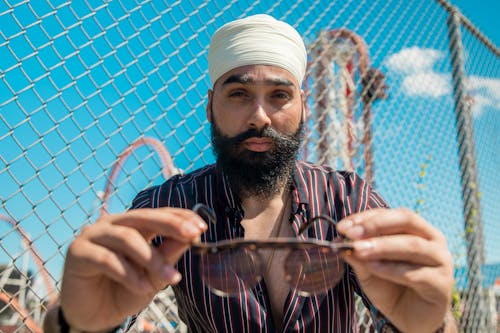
246	79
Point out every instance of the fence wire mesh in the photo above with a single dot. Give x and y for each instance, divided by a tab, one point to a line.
99	100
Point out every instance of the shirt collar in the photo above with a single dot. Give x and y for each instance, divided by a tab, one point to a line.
300	183
227	200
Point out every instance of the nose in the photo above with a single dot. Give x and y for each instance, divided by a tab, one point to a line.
259	117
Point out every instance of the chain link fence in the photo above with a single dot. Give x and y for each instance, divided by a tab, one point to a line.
100	99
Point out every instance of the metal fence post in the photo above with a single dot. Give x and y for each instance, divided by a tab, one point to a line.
476	316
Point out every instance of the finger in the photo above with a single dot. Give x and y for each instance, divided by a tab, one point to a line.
128	242
417	277
381	221
168	276
366	278
181	224
172	250
400	248
94	260
393	286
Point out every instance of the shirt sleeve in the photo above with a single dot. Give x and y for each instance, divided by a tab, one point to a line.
143	199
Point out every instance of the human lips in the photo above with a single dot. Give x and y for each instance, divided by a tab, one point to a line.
258	144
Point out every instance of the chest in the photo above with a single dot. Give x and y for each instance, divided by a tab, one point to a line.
270	303
251	311
273	274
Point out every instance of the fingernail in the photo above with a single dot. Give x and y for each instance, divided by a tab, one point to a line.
357	219
191	229
171	274
363	246
355	232
202	226
344	225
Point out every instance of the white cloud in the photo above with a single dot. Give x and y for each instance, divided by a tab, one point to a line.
414	60
479	103
427	84
485	85
414	66
485	93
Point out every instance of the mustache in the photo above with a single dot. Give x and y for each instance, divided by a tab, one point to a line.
266	132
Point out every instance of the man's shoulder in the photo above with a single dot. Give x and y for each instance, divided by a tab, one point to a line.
196	175
152	196
324	176
310	167
348	187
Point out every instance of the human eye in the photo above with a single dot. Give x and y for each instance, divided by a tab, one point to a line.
237	93
281	94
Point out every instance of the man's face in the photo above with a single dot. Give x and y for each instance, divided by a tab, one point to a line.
256	115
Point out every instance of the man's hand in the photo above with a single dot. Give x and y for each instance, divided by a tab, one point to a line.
112	271
403	265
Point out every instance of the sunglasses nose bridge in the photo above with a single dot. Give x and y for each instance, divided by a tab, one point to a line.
310	267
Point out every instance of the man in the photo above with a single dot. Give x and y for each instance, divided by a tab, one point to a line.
400	264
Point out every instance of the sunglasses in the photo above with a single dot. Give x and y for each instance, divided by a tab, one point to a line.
311	266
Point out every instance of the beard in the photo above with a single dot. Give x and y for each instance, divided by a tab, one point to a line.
260	174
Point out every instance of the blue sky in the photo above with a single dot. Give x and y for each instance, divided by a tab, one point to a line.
70	109
484	14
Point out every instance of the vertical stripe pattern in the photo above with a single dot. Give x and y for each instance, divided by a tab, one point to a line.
317	190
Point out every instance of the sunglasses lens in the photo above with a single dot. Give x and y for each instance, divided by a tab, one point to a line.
228	271
314	270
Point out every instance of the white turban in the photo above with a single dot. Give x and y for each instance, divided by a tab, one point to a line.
256	40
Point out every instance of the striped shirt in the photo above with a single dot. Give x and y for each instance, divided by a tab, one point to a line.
316	190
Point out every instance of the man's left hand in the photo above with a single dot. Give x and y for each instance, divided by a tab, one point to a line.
403	265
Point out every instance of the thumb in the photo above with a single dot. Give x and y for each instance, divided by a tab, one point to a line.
362	270
172	250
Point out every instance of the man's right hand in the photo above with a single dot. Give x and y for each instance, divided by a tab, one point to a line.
113	271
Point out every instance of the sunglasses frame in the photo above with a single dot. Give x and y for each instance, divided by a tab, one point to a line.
289	243
271	243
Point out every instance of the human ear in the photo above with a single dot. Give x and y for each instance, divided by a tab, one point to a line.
305	110
208	108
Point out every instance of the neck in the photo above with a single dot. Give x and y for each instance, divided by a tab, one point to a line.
253	205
